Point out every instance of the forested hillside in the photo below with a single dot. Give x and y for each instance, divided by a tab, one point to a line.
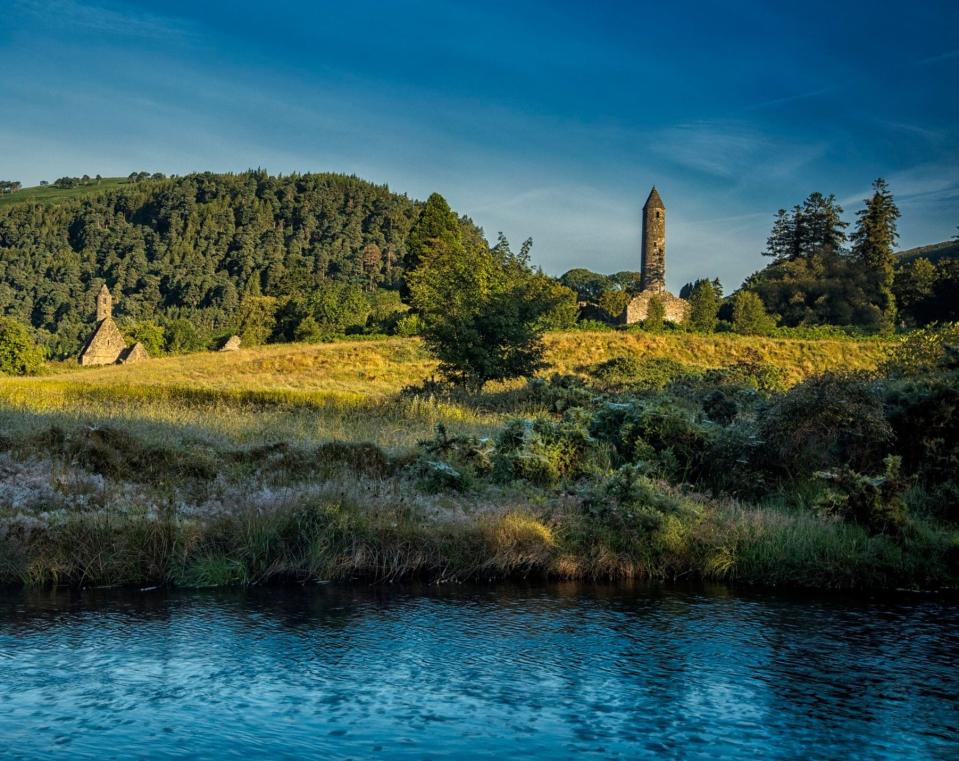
935	252
197	247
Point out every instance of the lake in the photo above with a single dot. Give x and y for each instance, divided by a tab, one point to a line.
557	671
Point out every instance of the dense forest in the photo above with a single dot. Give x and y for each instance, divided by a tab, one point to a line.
202	251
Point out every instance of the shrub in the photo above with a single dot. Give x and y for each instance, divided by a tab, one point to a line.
651	373
826	421
182	337
931	349
750	316
629	500
435	476
545	452
19	355
720	407
655	315
150	334
308	330
562	314
659	433
469	451
874	502
558	393
256	319
704	303
597	326
409	325
613	302
924	415
751	371
733	462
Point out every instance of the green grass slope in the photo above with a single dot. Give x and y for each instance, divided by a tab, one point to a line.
48	194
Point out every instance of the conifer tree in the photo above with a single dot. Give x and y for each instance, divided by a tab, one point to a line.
872	245
781	243
436	222
821	229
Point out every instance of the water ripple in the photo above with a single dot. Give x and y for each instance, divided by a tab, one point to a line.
560	671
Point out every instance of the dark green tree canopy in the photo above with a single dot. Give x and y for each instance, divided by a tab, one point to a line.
195	247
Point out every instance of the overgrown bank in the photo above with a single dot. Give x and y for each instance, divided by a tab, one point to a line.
636	465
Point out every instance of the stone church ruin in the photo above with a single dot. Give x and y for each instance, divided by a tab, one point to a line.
107	346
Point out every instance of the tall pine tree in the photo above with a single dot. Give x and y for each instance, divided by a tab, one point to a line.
872	246
822	229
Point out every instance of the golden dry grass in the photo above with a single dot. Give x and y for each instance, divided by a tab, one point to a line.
349	390
799	358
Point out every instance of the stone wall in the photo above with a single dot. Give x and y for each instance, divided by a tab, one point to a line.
676	309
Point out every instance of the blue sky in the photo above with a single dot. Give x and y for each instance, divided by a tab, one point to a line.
542	119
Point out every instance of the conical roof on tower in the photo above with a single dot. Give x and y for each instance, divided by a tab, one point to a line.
654	201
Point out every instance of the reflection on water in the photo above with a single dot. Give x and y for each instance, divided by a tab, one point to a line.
558	671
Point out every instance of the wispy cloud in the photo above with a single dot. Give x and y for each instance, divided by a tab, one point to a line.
790	98
713	148
734	151
920	185
106	19
912	129
937	58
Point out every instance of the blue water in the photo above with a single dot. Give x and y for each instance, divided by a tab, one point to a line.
553	672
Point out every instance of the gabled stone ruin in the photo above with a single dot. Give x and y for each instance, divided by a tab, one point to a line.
231	344
107	346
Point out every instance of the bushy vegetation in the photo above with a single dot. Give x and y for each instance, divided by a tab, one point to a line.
19	354
630	466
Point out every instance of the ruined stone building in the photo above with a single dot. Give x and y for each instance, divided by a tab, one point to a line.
107	346
653	267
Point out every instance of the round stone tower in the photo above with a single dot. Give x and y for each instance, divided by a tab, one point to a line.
654	243
104	304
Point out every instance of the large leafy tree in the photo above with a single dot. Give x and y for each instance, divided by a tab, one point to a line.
481	309
589	286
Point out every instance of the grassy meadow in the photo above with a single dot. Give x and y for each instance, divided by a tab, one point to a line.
350	390
46	194
309	462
